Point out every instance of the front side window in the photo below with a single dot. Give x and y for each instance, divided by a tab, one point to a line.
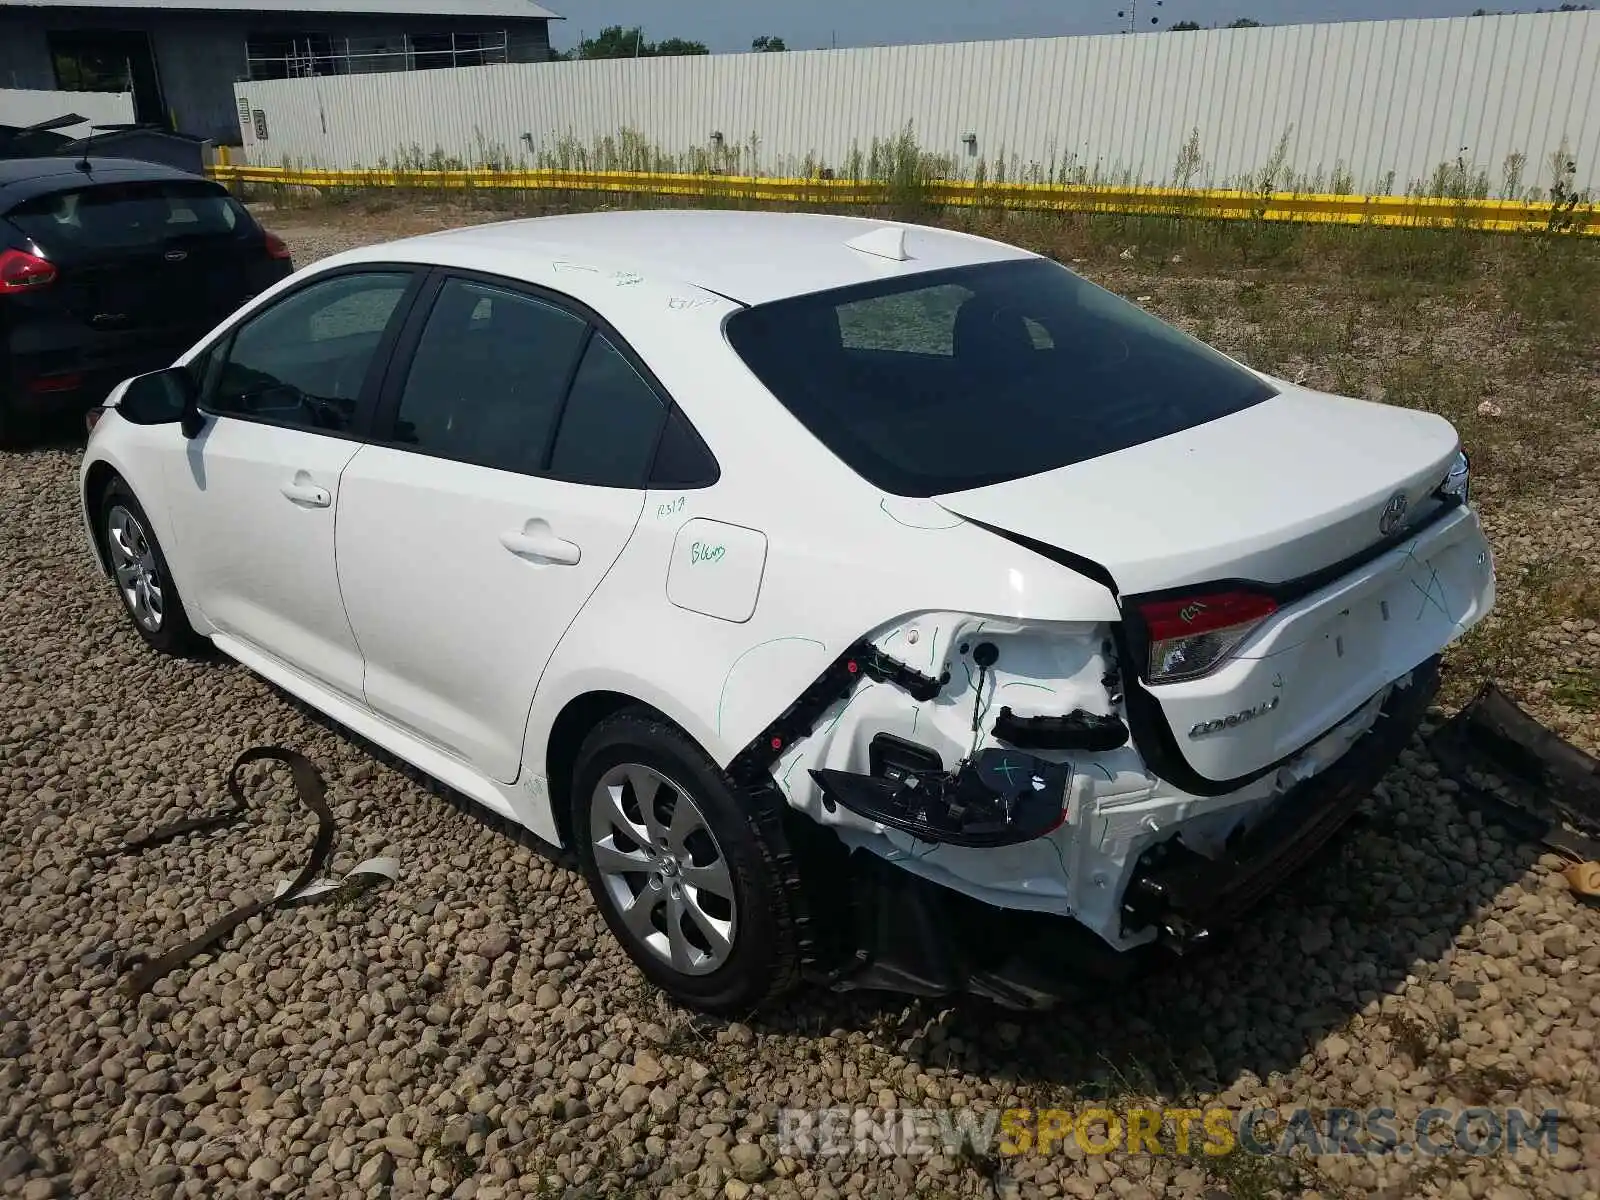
956	379
486	382
304	360
205	367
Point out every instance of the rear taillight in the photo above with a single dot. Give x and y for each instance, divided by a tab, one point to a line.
92	417
1457	484
22	272
278	248
69	381
1193	635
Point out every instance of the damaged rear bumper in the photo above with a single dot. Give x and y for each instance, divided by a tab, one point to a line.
1184	896
909	934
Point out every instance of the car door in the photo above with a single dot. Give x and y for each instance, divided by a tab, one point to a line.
505	475
286	400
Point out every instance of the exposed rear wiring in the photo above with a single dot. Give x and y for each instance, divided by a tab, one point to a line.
978	708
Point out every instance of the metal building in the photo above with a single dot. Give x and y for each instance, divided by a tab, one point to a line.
181	58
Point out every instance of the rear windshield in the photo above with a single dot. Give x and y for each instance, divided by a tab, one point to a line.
956	379
111	216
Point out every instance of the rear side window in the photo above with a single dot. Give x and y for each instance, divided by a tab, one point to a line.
682	458
961	378
611	422
113	216
486	382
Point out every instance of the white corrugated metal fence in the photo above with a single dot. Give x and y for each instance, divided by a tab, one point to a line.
1494	106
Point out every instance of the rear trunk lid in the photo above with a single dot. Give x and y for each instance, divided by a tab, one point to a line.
1287	498
1270	493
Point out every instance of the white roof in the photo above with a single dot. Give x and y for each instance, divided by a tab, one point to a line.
752	257
510	9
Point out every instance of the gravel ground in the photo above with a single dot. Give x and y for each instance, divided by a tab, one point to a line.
471	1031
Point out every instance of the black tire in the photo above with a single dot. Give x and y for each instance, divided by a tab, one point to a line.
763	962
172	633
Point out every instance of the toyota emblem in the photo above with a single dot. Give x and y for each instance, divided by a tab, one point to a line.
1394	513
175	255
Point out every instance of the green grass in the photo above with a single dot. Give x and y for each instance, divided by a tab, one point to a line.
1578	690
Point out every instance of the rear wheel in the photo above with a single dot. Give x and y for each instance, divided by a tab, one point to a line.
143	579
687	876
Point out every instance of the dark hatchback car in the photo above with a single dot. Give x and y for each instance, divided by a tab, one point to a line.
110	268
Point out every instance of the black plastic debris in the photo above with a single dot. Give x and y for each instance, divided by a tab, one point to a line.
1077	730
1555	785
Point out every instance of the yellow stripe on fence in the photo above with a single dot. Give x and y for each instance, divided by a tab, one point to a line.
1500	215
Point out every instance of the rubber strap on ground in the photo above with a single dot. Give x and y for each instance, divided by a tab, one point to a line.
311	792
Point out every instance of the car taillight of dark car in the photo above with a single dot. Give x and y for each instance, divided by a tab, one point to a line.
21	271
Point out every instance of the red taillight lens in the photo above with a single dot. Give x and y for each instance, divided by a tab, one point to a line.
70	382
278	248
92	417
1193	635
21	271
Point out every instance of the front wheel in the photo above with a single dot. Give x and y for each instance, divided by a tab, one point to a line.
697	886
144	580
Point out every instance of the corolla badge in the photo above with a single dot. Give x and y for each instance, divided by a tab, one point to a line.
1394	512
1233	720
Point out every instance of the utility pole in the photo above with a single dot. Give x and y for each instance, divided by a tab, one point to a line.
1131	15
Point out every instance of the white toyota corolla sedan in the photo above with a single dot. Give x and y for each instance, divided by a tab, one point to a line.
861	602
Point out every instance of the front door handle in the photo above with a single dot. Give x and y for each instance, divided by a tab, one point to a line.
301	490
537	542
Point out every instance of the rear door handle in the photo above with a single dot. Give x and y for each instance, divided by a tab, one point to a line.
302	491
537	542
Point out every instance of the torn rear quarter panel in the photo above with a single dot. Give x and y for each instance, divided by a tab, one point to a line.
937	682
868	753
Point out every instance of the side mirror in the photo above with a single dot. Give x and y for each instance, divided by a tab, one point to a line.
162	398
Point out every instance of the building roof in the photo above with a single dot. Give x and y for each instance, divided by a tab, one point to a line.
500	9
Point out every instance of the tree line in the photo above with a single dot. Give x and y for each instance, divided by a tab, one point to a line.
615	41
1236	23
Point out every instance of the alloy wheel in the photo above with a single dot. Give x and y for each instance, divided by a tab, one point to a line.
134	563
662	868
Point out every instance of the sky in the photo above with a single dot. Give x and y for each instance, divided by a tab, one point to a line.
726	25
